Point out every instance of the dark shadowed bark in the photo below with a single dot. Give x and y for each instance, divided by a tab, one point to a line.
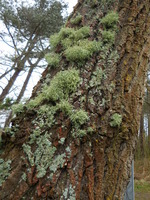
80	144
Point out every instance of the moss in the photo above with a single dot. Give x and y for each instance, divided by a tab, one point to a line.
4	170
116	120
76	20
53	59
79	117
108	36
110	20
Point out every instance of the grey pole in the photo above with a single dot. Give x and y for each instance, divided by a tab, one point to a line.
129	195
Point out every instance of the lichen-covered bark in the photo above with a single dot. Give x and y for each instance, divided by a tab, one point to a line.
80	145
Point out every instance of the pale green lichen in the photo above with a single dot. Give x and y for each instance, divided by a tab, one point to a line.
65	107
69	33
76	20
43	155
82	51
110	20
53	59
97	77
116	120
90	130
69	193
63	84
79	117
17	108
61	141
4	170
58	162
28	152
108	36
24	176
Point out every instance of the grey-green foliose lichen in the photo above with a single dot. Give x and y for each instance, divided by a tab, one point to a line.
4	170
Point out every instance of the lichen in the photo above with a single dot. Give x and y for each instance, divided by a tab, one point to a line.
108	37
57	162
97	77
42	156
116	120
79	117
82	51
24	176
69	193
63	84
61	141
69	36
65	107
110	20
76	20
17	108
53	59
4	170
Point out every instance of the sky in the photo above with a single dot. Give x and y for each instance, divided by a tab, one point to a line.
36	76
71	3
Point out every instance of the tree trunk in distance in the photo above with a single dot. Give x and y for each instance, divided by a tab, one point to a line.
6	90
142	136
93	162
8	120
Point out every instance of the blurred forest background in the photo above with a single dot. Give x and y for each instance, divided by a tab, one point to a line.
24	38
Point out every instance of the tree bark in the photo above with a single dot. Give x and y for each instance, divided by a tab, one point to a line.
98	164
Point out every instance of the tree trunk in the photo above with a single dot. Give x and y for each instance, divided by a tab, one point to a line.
57	151
6	90
8	120
148	133
142	136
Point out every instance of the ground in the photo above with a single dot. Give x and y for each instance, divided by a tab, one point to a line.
142	179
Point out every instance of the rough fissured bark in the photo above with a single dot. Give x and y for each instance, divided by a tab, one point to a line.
99	164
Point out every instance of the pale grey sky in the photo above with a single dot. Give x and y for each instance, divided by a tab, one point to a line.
71	3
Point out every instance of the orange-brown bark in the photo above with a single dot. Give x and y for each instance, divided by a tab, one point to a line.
98	165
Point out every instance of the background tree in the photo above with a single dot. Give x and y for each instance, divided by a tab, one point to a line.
75	138
26	29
